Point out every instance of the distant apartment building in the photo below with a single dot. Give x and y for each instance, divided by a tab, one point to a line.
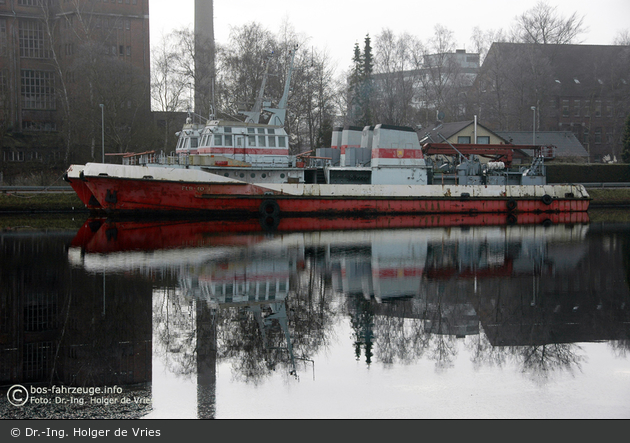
436	90
584	89
46	50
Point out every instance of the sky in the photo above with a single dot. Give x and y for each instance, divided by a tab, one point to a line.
335	26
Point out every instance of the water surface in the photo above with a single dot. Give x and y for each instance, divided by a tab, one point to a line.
408	317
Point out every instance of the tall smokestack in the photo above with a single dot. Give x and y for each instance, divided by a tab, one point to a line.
204	56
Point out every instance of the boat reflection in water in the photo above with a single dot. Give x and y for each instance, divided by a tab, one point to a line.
268	295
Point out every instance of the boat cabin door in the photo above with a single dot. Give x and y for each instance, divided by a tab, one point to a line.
240	145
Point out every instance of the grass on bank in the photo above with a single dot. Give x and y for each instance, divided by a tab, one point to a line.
607	196
38	202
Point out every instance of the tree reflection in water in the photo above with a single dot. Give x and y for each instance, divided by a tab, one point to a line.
505	294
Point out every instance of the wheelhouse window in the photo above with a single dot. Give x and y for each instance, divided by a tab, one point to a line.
251	140
261	140
272	141
218	140
228	140
282	143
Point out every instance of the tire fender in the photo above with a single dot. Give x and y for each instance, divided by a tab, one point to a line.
269	208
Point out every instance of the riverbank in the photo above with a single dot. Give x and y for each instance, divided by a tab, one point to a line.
31	203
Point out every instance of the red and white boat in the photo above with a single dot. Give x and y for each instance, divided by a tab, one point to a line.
244	167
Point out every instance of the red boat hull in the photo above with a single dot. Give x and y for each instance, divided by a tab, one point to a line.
135	196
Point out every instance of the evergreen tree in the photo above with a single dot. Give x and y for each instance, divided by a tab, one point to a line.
625	152
368	60
361	84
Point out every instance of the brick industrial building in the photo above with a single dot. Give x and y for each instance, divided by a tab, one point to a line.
50	52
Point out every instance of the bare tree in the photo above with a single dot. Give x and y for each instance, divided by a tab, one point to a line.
622	38
442	83
544	25
394	78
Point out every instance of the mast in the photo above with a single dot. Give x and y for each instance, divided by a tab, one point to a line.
278	114
253	116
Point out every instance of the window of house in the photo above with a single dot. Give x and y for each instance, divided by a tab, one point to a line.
565	108
483	140
598	108
464	139
3	88
598	136
3	36
37	89
31	39
576	108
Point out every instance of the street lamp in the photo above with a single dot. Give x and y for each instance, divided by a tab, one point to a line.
103	130
533	108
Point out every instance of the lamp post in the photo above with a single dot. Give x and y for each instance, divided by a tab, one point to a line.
103	130
533	108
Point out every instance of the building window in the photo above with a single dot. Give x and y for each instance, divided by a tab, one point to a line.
13	156
3	89
38	89
464	139
565	108
576	108
598	136
598	108
3	36
585	136
31	38
483	140
587	108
